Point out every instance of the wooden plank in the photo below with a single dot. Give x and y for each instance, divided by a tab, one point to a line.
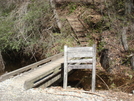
80	34
80	66
82	39
75	23
52	80
36	80
84	43
57	77
79	54
81	61
79	49
29	67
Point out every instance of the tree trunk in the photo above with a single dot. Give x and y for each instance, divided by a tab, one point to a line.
52	3
128	6
2	66
124	39
132	62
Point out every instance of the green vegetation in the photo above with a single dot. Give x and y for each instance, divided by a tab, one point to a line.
22	26
72	7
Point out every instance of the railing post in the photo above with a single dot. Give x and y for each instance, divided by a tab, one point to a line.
65	68
94	69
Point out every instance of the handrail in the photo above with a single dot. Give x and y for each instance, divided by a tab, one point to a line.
29	67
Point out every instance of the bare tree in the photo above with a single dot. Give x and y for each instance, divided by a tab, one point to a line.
124	39
129	5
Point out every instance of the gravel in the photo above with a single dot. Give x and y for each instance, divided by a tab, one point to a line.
12	90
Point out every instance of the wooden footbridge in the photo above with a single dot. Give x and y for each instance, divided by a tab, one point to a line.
50	70
46	71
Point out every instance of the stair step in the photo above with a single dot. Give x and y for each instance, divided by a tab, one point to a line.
75	22
72	18
82	39
84	43
79	30
76	25
80	34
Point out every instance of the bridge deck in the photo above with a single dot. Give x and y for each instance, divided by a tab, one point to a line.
28	79
37	76
43	69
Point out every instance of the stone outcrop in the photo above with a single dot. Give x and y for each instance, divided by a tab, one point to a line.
2	66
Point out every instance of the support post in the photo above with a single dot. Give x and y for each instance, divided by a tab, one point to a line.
94	69
65	68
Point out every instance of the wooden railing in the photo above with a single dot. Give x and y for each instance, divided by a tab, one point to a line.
29	67
80	58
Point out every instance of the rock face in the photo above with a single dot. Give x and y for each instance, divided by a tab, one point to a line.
2	66
104	60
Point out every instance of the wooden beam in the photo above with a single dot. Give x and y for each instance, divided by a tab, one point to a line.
80	49
81	61
80	66
38	79
77	54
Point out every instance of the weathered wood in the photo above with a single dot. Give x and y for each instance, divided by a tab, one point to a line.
79	54
81	61
52	80
29	67
94	70
77	27
38	79
56	77
80	57
44	73
80	66
65	68
80	49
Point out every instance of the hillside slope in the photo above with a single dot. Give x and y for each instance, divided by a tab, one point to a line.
29	32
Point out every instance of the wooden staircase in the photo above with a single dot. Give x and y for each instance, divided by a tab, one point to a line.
79	30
